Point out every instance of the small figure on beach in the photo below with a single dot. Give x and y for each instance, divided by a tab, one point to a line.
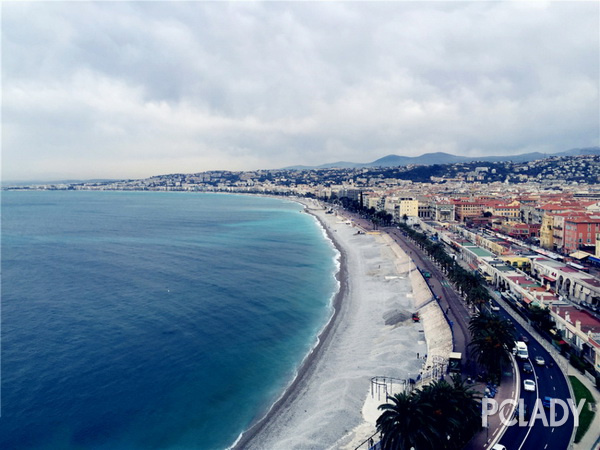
417	355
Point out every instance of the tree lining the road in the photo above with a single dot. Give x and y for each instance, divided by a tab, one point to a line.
440	415
492	338
468	284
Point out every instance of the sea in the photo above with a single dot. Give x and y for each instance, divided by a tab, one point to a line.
153	320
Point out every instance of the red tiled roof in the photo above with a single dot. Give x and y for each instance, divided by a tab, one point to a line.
588	322
568	269
519	280
583	219
592	281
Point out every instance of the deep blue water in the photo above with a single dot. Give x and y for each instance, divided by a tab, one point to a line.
153	320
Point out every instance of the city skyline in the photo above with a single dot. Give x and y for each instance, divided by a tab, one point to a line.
130	90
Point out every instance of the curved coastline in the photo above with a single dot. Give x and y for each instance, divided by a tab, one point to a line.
331	403
307	365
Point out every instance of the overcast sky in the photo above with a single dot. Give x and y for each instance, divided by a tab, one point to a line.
134	89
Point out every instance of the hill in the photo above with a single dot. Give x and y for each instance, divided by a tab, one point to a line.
429	159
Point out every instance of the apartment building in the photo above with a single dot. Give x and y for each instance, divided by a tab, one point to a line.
580	231
468	208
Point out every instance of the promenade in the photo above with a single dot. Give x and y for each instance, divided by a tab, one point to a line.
457	314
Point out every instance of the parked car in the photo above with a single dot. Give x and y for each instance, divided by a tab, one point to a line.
529	385
540	361
527	368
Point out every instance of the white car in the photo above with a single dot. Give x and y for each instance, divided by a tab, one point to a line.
498	447
529	385
540	361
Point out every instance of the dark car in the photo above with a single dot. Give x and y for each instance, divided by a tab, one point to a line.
527	368
547	402
525	339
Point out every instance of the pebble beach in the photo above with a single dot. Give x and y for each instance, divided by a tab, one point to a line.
331	403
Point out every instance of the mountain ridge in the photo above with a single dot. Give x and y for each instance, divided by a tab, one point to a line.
428	159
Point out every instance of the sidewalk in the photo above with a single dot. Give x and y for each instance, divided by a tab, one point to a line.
509	388
591	439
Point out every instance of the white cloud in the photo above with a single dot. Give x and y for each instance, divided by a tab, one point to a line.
122	89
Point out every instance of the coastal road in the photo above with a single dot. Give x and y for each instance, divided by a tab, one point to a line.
549	382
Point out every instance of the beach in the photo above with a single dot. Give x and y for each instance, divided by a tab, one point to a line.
371	333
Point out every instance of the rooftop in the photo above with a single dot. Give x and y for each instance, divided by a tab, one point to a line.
588	322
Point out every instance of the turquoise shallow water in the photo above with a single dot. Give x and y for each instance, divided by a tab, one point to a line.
153	320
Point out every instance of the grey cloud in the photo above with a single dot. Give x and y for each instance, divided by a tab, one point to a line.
208	85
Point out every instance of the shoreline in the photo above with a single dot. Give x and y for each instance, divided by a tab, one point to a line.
332	403
307	365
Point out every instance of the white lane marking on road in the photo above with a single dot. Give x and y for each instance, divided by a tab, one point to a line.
531	423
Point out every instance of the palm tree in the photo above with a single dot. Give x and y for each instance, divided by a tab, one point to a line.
469	406
541	316
443	411
404	423
492	339
440	416
478	295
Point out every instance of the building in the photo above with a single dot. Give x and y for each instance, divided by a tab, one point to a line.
407	207
468	208
443	212
580	231
511	210
565	280
521	230
546	232
581	331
